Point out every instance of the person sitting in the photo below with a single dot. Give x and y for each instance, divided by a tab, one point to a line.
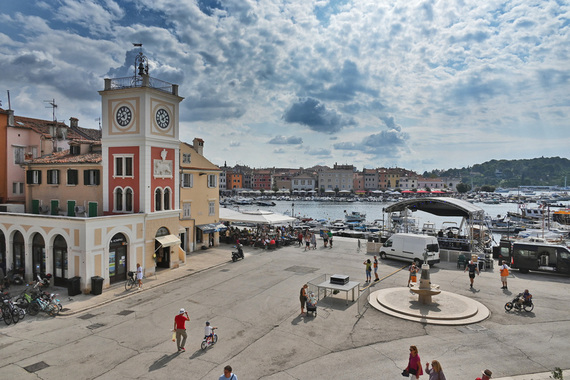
209	332
524	298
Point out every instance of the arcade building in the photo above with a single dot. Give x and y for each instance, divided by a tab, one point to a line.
101	207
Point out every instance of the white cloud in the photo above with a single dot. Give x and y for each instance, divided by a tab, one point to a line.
449	73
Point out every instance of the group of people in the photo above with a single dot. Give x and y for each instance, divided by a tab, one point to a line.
369	264
181	336
473	268
414	368
310	240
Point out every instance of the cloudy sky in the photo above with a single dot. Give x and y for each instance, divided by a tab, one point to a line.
417	84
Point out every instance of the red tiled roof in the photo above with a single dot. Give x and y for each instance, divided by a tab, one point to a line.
42	127
64	157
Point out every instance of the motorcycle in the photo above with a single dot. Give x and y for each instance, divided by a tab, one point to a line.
236	255
43	283
516	303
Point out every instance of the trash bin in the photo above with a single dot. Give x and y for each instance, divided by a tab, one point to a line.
74	286
96	285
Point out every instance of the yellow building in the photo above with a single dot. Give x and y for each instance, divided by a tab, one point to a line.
199	198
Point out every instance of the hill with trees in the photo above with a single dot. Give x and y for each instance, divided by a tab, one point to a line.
543	171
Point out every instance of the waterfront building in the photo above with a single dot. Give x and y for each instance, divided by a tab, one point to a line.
371	179
199	198
340	178
261	179
303	183
358	183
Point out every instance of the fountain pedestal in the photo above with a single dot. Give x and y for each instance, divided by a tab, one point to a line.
426	289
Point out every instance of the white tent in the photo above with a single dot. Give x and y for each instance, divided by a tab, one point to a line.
257	217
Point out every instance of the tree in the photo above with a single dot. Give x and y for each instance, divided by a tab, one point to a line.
463	187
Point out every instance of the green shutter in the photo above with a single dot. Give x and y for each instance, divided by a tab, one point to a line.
70	208
55	207
92	209
35	206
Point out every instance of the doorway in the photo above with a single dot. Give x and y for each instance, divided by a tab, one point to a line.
38	255
60	261
162	252
118	258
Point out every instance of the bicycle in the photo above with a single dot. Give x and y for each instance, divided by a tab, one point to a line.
131	282
210	341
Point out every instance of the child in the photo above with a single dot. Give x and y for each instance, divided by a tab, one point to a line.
209	332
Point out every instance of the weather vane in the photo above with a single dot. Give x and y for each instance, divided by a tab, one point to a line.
141	62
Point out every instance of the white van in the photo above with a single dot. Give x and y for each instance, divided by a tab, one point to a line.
411	247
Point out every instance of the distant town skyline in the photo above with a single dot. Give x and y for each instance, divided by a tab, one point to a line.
421	85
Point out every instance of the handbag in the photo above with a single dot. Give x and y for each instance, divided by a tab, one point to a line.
405	373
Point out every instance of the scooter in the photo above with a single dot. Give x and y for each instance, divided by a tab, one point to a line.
239	254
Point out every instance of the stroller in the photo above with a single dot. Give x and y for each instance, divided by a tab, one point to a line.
312	304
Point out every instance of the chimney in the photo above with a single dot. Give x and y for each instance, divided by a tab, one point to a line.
10	117
73	122
198	146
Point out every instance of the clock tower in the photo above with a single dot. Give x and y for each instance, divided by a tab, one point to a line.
140	140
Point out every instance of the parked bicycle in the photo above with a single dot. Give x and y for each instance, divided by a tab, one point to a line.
131	282
10	313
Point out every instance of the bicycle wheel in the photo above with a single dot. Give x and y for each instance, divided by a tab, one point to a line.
51	310
215	339
34	308
56	308
129	284
15	315
509	306
528	307
204	345
6	315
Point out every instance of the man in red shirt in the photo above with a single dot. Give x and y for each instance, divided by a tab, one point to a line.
180	328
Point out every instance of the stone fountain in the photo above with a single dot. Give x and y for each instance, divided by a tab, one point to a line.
426	289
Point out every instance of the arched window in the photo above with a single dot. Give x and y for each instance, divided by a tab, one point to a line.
157	199
118	199
167	199
129	200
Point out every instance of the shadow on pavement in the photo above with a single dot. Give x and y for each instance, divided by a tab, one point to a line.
162	362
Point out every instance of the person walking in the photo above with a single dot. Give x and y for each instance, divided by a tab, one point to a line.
435	372
414	367
376	279
300	238
368	264
330	239
228	374
485	375
413	269
307	240
472	269
314	240
180	329
504	274
139	275
303	298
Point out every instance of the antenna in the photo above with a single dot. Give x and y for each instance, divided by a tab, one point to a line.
53	106
99	120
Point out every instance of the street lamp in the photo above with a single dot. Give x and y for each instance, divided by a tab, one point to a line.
293	210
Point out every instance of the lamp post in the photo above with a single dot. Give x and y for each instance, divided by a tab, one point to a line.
293	210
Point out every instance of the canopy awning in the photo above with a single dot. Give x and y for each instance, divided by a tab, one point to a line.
441	206
256	217
209	228
168	240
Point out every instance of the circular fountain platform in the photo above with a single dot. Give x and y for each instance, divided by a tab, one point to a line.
446	308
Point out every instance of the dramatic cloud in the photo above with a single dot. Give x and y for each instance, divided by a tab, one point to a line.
315	115
292	140
481	79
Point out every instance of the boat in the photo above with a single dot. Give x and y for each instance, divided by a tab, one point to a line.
354	216
265	203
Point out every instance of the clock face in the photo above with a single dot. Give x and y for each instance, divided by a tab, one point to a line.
124	116
162	118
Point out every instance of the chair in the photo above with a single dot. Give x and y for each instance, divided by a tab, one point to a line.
461	261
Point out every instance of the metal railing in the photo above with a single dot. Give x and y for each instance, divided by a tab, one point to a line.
140	81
